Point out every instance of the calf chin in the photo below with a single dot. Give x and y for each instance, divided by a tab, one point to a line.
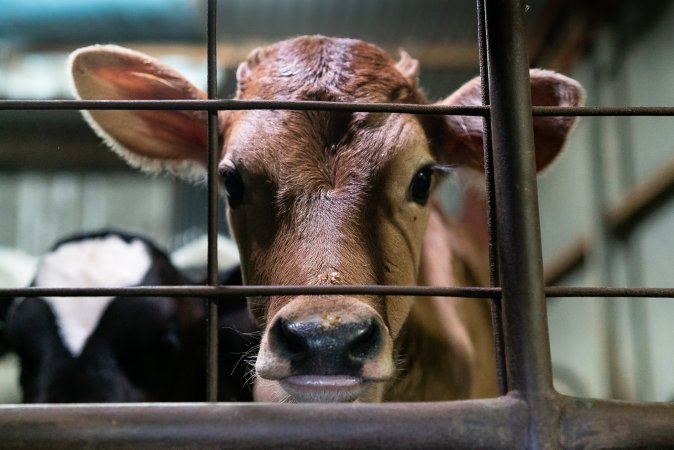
335	349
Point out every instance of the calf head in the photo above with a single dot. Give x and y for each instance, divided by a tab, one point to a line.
106	349
314	197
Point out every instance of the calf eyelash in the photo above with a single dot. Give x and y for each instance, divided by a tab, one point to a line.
442	168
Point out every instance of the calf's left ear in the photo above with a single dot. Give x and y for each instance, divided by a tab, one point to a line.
465	143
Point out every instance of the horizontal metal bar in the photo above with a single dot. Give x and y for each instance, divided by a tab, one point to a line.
302	105
603	111
252	291
570	291
493	423
590	423
204	105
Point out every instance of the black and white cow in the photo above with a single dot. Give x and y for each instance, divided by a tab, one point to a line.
107	349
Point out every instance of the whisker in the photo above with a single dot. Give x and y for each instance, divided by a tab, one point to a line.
247	355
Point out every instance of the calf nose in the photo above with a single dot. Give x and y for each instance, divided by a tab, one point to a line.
319	348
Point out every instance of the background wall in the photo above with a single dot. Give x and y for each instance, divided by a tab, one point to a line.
618	348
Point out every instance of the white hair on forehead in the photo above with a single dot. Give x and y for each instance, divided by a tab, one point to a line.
101	262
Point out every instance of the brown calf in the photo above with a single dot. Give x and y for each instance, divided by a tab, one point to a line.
334	198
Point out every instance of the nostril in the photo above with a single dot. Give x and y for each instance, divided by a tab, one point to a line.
288	340
365	341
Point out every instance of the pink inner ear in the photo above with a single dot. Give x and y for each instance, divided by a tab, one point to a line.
134	85
177	134
547	89
119	74
550	133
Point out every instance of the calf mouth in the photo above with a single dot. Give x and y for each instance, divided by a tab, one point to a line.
364	386
324	388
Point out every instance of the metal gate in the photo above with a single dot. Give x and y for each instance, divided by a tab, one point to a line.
528	414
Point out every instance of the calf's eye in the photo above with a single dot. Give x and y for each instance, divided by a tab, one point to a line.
420	187
233	185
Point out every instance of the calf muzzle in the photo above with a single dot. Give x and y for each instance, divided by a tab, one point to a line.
325	346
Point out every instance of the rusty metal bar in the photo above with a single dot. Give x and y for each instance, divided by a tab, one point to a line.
493	424
206	105
253	290
495	303
591	423
603	111
305	105
521	262
563	291
213	200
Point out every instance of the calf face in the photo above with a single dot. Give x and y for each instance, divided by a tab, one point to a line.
314	197
106	349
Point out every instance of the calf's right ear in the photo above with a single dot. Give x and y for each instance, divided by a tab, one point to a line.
547	89
153	140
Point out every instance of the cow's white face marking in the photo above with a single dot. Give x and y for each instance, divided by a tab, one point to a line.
105	262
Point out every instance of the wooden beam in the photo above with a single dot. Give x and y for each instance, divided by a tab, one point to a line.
430	55
621	219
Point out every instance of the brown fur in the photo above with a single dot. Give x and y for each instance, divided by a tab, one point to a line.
327	201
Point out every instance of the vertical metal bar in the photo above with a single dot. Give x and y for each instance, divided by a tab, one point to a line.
496	310
213	200
519	244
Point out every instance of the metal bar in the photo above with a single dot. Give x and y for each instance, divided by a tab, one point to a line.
207	105
590	423
603	111
213	200
493	423
521	262
252	290
562	291
306	105
490	424
496	310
